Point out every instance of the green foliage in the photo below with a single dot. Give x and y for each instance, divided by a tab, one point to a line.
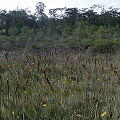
65	28
105	45
25	31
46	75
13	31
35	46
87	43
2	69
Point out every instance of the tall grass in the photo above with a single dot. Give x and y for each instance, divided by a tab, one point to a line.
59	85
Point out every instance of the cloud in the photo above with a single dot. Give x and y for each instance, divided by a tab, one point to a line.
115	5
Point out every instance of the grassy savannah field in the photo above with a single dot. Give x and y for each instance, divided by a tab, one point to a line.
59	85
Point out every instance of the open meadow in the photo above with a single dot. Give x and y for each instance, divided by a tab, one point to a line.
59	85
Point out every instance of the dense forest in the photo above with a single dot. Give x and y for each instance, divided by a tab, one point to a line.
64	28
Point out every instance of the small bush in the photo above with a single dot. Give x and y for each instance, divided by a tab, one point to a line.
104	45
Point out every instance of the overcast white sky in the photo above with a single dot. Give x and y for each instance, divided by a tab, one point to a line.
22	4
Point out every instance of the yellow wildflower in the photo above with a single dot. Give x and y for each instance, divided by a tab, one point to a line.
26	67
64	82
61	102
103	114
8	66
44	105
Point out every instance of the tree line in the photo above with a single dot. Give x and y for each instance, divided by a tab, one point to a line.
13	21
70	23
